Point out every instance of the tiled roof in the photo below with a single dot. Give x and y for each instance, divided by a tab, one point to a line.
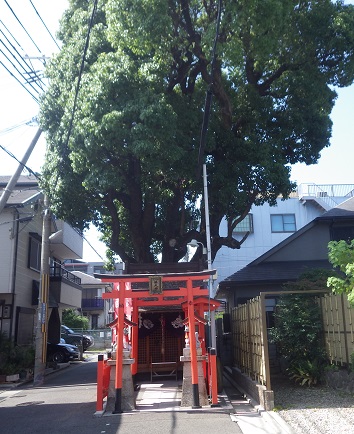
23	180
262	270
268	272
25	190
19	197
87	279
345	209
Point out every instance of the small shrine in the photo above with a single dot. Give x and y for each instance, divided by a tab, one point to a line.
170	308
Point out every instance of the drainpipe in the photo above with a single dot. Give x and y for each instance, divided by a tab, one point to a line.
16	224
42	314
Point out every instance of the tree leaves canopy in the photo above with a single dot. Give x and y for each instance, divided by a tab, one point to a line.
130	162
341	256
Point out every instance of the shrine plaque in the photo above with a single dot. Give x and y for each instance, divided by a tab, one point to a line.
155	285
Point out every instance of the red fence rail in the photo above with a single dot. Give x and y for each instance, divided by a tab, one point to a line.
103	377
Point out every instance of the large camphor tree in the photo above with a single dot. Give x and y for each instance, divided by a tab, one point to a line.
126	158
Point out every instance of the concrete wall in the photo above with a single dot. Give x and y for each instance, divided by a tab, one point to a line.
262	239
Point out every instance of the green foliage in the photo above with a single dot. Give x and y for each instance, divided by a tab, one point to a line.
297	326
341	255
13	358
130	162
351	366
311	280
73	320
306	372
298	330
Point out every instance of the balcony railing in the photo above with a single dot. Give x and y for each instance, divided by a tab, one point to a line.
92	303
326	190
328	194
57	271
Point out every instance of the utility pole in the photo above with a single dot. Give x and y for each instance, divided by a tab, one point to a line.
15	176
208	239
42	311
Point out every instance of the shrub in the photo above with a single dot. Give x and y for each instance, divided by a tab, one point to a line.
351	365
73	320
298	335
13	358
306	372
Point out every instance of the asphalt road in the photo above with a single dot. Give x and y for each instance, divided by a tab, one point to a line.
66	404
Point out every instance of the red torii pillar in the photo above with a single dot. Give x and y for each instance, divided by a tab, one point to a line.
119	348
135	336
120	293
192	344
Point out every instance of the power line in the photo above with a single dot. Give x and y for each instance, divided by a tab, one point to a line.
20	219
30	73
14	127
209	94
24	165
80	72
19	72
45	25
30	66
1	63
22	26
84	238
12	36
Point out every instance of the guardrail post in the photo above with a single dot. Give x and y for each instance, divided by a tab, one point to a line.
100	367
213	378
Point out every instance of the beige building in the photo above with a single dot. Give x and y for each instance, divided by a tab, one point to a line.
21	223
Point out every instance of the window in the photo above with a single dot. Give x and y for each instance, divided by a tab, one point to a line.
245	226
94	321
34	256
283	222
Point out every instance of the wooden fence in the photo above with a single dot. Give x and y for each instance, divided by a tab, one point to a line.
249	340
250	337
338	325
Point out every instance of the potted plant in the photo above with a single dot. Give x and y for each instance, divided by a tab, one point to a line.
11	372
14	360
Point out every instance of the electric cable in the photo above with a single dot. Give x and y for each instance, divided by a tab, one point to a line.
44	25
14	127
12	36
80	72
203	134
22	26
209	94
22	164
84	238
30	66
22	57
18	71
36	99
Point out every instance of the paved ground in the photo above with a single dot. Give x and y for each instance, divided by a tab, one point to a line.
66	403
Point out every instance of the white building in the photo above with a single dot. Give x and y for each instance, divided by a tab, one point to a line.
94	308
269	226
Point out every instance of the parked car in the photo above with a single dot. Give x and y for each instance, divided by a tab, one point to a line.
76	339
62	353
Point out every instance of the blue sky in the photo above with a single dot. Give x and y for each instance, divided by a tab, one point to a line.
335	165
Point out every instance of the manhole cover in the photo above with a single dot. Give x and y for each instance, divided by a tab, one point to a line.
26	404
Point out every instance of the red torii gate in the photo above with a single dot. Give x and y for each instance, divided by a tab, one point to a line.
188	295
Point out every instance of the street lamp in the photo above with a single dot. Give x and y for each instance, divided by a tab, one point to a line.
194	243
207	251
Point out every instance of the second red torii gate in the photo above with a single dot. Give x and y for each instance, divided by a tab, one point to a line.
186	294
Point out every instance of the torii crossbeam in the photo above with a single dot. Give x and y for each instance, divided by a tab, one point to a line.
189	288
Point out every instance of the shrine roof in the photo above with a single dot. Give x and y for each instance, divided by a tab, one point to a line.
194	275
